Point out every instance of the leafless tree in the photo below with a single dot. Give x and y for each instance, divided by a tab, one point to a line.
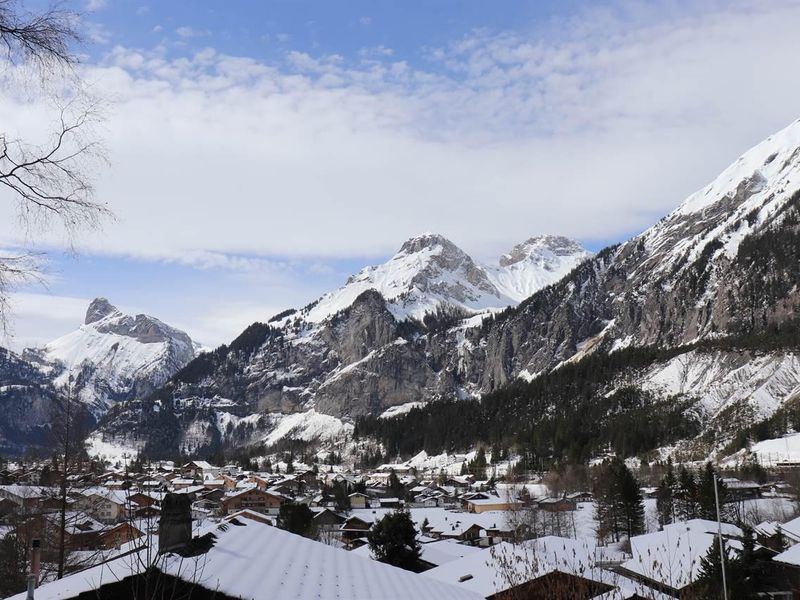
68	431
50	181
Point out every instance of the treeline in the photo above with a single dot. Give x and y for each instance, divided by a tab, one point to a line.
567	415
564	415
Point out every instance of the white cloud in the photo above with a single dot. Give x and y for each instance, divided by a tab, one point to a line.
95	5
190	32
613	117
39	317
97	32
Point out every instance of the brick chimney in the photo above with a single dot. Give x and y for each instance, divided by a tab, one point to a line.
175	525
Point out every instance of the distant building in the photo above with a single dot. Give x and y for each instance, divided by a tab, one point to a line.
253	499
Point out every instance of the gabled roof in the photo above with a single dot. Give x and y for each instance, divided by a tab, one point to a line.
672	556
252	560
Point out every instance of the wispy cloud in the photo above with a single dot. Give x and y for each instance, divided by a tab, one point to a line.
186	31
96	5
615	116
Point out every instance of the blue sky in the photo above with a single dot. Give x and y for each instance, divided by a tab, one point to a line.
260	152
266	29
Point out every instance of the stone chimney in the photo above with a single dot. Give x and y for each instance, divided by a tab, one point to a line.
175	525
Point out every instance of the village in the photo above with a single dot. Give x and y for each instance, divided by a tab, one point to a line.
477	538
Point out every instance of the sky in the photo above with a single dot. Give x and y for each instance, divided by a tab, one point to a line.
258	153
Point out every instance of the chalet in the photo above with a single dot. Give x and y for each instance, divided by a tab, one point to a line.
106	506
354	527
199	469
250	516
181	483
668	560
117	535
461	482
563	504
580	497
390	502
146	512
213	495
329	520
26	497
739	490
253	499
230	482
478	503
559	564
358	500
141	499
214	484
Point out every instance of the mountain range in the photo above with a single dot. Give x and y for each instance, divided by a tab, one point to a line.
701	290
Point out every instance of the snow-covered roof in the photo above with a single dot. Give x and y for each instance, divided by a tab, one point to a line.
673	556
792	528
201	464
790	556
484	573
253	560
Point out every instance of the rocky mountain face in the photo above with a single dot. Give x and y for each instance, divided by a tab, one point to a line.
432	323
364	348
112	357
726	261
26	395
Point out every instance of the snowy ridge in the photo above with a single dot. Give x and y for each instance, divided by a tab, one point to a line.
113	354
743	197
535	264
429	272
723	379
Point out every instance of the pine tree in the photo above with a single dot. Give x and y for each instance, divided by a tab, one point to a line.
477	465
297	518
341	496
393	540
665	497
709	579
686	495
706	498
618	502
396	488
631	501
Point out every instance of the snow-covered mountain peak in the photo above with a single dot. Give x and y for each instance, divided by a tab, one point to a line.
113	355
99	308
427	272
765	164
534	264
715	219
428	241
545	250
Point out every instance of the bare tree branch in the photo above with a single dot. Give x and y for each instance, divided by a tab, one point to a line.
42	38
50	181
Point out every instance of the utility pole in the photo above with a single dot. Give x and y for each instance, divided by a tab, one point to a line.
721	547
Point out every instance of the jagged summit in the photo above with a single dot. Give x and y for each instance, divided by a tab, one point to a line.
116	356
99	308
543	247
427	241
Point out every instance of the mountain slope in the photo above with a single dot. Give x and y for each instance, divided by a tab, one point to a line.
111	358
114	356
362	348
725	263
